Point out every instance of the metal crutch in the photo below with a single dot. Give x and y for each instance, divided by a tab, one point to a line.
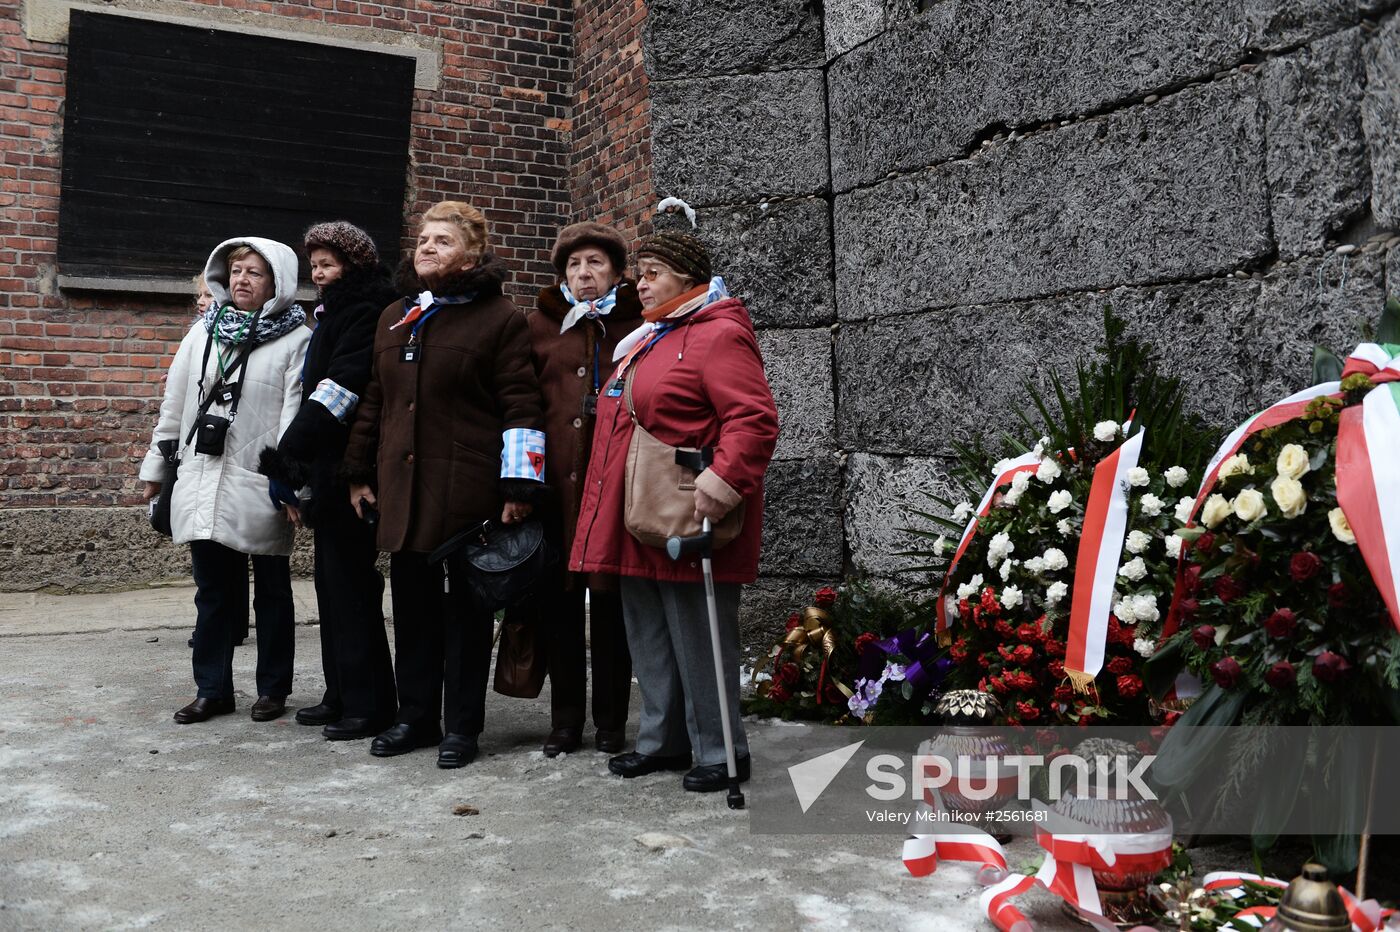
703	542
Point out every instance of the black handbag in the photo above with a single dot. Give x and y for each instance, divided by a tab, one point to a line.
501	562
160	508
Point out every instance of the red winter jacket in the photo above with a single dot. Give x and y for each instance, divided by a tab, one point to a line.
701	385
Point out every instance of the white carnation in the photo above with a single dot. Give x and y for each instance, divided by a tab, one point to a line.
1183	509
1021	481
1151	505
1137	542
1034	565
1056	593
1145	647
1000	466
1055	559
966	591
1010	597
1059	501
1138	477
1105	430
940	545
1048	471
1006	568
1145	607
1176	477
1173	546
962	512
1064	527
977	582
1123	611
1134	569
1011	496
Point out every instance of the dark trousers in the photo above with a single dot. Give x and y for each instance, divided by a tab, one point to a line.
442	647
562	619
350	596
221	581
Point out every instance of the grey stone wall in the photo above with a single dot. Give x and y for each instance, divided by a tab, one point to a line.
926	201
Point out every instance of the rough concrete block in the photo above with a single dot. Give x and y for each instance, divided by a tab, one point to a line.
1392	272
880	491
1282	24
798	363
742	138
848	23
776	256
1317	173
802	518
690	38
923	92
1380	115
1172	190
764	607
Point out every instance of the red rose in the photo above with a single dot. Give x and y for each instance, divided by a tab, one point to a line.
1337	595
1329	667
1304	566
1281	675
825	597
1120	665
794	621
863	641
1129	686
1189	607
1281	623
1027	711
1054	648
788	674
1023	653
832	693
989	601
779	693
1056	668
1191	580
1028	633
1228	588
1227	672
1204	636
1205	542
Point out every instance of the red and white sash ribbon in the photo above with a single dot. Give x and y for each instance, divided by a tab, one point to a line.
1365	915
1096	565
1026	462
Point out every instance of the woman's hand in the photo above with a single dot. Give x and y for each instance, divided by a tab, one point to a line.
515	512
707	506
293	515
151	490
363	493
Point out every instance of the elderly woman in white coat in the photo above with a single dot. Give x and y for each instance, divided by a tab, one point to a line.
233	388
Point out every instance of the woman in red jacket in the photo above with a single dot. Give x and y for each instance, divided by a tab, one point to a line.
696	381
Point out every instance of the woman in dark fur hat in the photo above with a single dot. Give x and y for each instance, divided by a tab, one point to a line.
354	287
449	433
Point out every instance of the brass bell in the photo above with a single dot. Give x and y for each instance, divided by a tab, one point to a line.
1311	904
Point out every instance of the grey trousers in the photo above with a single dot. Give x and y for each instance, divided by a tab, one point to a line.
668	633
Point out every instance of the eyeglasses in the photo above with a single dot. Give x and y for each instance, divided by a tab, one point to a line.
651	273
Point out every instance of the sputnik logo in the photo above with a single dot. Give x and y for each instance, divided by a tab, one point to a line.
811	777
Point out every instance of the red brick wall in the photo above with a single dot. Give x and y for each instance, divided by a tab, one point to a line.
80	372
611	123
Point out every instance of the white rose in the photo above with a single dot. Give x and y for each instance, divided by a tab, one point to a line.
1237	464
1137	542
1056	593
1064	527
1010	597
1183	509
1216	509
1048	471
1123	611
1134	569
1138	477
962	512
1289	495
1059	501
1105	430
1151	505
1176	477
1293	461
1341	527
1249	505
1145	647
1145	607
1173	546
1055	559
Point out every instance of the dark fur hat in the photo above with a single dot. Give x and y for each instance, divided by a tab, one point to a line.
588	233
345	238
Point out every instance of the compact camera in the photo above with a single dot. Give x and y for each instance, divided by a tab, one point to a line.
210	434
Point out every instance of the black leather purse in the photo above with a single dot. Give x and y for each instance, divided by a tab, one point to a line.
501	563
160	507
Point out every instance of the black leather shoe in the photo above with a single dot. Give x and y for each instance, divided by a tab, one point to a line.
268	708
634	764
401	739
201	710
563	741
320	714
610	742
711	778
349	729
456	751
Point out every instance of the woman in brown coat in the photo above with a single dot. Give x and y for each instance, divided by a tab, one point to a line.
448	434
573	331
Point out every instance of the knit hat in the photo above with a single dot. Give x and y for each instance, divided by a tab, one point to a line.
680	251
345	238
577	235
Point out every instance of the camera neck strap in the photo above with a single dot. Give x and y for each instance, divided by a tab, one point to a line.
225	379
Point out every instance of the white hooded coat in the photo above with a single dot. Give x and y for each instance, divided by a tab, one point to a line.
224	498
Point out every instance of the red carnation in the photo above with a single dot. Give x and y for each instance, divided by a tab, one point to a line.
1281	623
1129	686
1204	636
1329	667
1056	668
1023	653
1064	693
1004	651
864	640
1120	665
1029	633
997	685
1304	566
989	601
779	693
1022	680
984	660
1054	648
788	674
1281	675
1337	595
959	650
1169	718
825	597
1228	588
1027	711
1004	630
794	621
1119	633
1227	672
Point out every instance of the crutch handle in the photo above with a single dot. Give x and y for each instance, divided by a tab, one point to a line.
678	547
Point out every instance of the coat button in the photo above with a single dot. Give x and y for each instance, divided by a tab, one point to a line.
408	458
573	477
410	406
578	422
582	371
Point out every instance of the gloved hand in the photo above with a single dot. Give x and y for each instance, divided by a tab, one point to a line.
282	494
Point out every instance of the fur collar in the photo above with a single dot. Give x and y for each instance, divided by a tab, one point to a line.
628	308
486	279
357	285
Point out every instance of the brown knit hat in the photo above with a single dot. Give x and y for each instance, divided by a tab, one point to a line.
577	235
345	238
680	251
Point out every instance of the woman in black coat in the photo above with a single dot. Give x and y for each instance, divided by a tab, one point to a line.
354	288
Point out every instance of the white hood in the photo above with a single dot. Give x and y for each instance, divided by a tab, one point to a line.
280	259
